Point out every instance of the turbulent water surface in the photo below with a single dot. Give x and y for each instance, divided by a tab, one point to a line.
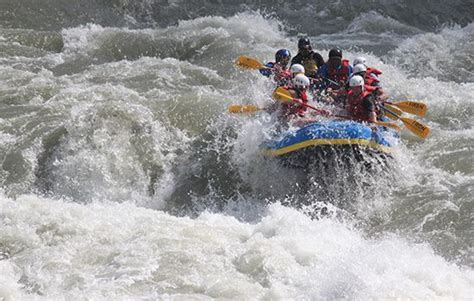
122	176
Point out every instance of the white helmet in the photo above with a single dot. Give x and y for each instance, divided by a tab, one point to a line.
301	81
296	68
360	60
356	81
359	68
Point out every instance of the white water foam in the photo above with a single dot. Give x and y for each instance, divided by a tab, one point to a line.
105	250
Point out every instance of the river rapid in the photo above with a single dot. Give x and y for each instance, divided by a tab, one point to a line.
124	177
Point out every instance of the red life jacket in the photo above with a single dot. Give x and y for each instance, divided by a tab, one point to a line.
373	70
281	76
293	108
370	80
340	75
369	89
354	106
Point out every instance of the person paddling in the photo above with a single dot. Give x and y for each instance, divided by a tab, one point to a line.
298	90
279	68
334	75
371	74
360	101
296	69
336	71
379	93
361	69
308	58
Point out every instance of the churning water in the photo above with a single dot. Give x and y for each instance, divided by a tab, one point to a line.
123	176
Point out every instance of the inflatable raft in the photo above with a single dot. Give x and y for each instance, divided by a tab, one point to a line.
298	147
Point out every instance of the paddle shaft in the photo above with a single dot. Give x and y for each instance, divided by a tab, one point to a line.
327	113
391	112
414	126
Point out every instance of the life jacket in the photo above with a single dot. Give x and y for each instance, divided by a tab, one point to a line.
292	108
354	106
310	66
340	75
369	88
282	78
375	71
370	80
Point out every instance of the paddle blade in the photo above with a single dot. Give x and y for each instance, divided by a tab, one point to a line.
282	95
394	112
284	91
417	128
412	107
248	62
243	109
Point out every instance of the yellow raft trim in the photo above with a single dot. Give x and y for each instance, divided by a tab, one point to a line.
297	146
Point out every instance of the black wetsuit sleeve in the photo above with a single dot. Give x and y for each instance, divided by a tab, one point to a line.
296	59
318	59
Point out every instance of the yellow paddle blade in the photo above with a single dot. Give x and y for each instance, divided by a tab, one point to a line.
243	108
416	127
248	62
389	125
283	95
394	112
284	91
412	107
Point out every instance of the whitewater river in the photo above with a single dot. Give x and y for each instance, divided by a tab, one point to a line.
123	176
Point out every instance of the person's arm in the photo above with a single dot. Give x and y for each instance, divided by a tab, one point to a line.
267	70
323	71
296	60
372	117
318	59
370	107
381	95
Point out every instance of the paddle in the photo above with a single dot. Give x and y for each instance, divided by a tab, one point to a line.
395	110
284	95
330	80
414	126
388	124
244	109
249	63
411	107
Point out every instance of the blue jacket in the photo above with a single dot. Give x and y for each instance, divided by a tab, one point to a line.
323	71
265	71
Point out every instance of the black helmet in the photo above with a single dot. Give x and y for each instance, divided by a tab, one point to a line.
281	54
335	53
304	43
